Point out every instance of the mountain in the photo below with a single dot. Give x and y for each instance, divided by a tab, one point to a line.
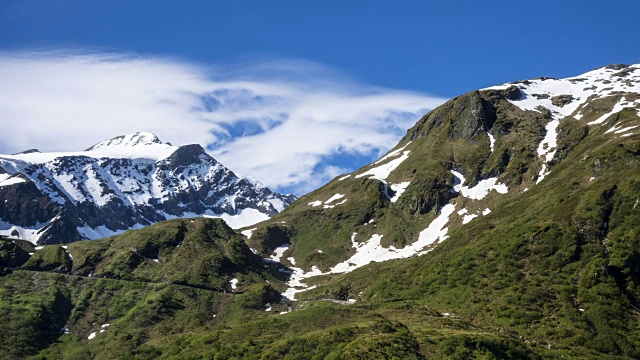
458	163
127	182
504	225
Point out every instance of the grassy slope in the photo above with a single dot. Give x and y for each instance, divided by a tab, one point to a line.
146	302
452	136
558	266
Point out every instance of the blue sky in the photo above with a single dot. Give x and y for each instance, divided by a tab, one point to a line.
289	60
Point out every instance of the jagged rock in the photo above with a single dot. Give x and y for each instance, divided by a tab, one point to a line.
30	151
512	93
561	100
467	115
616	66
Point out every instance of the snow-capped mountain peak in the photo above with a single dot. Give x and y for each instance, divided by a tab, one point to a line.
141	145
126	182
137	139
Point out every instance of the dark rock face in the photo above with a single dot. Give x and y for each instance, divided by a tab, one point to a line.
429	195
24	204
467	116
617	66
30	151
69	198
561	100
276	236
188	155
512	93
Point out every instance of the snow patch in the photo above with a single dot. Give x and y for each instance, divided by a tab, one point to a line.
8	179
467	218
619	106
617	130
334	198
332	206
392	153
382	172
315	203
278	252
246	217
547	147
479	191
248	232
492	141
295	281
399	190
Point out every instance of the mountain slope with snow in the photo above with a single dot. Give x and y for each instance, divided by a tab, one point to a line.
127	182
457	164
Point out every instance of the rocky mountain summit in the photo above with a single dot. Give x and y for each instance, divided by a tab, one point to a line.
127	182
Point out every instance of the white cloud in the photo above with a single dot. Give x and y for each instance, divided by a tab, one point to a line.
283	122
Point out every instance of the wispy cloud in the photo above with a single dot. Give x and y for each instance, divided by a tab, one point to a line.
291	124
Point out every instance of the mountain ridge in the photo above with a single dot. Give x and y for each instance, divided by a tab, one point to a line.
126	182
